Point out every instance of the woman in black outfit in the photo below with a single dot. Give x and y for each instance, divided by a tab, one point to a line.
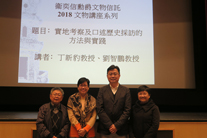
145	115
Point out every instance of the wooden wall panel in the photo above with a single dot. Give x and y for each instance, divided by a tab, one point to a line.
18	129
22	129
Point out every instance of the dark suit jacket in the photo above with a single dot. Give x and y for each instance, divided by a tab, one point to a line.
113	110
44	124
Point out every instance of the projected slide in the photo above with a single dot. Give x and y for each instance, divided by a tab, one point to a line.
63	40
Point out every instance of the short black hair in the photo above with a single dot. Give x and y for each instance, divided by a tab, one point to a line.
82	80
144	88
113	67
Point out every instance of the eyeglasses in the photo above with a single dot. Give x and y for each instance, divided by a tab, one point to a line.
57	94
83	85
115	74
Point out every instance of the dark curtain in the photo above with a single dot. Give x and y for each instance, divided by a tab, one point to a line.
206	20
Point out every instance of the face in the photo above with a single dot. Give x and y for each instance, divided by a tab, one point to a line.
83	88
56	97
143	97
113	76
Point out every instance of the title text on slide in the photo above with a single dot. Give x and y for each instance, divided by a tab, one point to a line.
88	32
94	8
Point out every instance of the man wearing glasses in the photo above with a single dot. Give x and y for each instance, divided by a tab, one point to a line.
113	106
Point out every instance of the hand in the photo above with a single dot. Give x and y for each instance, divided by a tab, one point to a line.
81	132
112	129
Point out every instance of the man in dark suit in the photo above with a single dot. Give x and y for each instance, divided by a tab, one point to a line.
113	106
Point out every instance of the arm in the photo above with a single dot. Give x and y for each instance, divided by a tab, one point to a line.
131	133
41	127
91	122
72	118
103	117
126	112
66	124
155	123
